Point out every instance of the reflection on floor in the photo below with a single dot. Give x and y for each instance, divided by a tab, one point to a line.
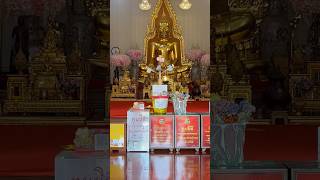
144	166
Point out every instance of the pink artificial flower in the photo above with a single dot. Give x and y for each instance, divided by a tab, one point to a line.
205	60
194	54
121	60
135	54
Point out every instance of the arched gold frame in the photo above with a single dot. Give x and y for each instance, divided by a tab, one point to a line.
166	8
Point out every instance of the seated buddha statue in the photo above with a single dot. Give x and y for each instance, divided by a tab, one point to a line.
236	25
239	21
167	45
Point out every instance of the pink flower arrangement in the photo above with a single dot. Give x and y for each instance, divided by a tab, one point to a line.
195	54
120	60
205	60
135	54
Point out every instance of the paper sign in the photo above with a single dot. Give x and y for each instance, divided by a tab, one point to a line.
205	131
161	131
158	89
138	130
161	103
117	136
187	131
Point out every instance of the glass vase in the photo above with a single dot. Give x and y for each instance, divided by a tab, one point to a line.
180	106
227	142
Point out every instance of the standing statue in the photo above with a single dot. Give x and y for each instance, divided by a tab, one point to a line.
234	65
276	96
98	9
20	35
314	34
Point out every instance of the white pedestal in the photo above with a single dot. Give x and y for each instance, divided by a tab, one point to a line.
90	165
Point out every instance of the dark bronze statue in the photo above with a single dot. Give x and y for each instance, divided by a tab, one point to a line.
20	35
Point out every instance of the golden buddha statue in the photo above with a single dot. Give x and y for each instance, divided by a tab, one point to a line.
164	48
163	39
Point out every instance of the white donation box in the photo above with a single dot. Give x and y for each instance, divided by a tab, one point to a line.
138	130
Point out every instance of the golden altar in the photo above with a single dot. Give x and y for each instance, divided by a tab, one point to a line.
49	86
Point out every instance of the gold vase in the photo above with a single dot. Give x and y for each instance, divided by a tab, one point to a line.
20	62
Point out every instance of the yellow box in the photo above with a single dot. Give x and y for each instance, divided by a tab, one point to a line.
117	135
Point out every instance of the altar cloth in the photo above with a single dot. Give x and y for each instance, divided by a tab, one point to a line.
118	109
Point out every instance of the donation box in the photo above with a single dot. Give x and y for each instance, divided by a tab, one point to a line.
138	130
205	131
162	132
187	131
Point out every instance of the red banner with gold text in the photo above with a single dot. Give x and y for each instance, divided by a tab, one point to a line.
205	131
187	131
161	131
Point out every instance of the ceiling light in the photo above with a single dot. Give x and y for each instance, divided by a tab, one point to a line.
144	5
185	5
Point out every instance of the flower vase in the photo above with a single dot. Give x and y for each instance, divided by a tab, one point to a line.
227	142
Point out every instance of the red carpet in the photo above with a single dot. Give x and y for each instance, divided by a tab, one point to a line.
281	143
30	150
